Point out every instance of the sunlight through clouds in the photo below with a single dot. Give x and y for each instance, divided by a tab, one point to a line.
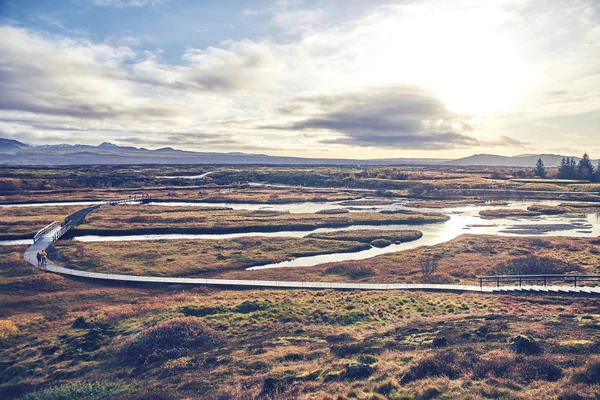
296	76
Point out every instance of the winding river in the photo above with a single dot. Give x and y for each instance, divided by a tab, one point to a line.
463	219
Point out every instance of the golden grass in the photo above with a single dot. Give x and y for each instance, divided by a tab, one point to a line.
26	221
296	343
191	258
149	217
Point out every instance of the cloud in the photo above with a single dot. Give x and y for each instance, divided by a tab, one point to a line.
129	3
386	117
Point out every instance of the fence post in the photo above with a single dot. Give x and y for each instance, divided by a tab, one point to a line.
520	281
575	281
498	282
545	281
481	283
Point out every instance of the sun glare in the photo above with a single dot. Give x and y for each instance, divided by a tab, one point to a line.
467	57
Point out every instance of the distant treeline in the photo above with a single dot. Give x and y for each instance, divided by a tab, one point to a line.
570	169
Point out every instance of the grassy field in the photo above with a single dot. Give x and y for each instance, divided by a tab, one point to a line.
507	212
461	260
150	218
192	258
142	342
205	258
24	222
66	338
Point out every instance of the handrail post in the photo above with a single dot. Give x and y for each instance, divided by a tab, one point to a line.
481	283
575	280
545	281
520	281
498	282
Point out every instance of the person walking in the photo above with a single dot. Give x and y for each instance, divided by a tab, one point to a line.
39	258
44	257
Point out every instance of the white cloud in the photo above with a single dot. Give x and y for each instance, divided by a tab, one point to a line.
499	69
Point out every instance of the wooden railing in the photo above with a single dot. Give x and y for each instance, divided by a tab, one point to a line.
62	231
574	279
142	198
44	230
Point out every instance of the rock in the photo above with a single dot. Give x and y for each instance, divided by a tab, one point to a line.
524	344
358	371
440	342
80	323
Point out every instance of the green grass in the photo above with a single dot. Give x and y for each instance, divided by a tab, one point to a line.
82	391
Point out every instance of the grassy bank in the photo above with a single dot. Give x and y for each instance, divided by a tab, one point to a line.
461	260
201	220
142	342
192	258
24	222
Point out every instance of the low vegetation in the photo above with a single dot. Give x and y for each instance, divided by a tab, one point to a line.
158	219
192	258
368	236
24	222
170	342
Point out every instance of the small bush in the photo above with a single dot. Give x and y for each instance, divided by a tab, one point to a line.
442	364
351	271
532	265
170	339
7	329
524	344
82	391
358	371
249	306
537	369
200	311
380	243
590	374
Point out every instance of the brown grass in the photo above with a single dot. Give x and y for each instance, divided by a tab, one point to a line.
292	343
17	222
192	257
121	218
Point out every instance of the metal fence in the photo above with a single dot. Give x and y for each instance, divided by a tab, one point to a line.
545	278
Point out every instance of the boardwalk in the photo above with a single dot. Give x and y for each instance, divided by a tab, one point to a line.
47	236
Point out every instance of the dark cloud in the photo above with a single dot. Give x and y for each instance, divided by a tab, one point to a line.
390	117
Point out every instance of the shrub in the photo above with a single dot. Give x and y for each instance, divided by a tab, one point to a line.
81	391
358	371
496	363
429	265
351	271
441	364
249	306
380	243
7	329
170	339
200	311
590	374
524	344
537	368
532	265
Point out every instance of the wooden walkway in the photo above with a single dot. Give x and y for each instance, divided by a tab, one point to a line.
47	236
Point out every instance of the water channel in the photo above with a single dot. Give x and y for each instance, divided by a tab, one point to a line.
463	219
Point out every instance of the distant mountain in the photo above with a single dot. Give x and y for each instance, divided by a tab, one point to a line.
16	153
9	146
525	160
13	152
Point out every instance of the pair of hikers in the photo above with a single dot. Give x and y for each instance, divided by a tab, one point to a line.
42	258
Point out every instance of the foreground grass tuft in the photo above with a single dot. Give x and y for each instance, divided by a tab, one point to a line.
83	391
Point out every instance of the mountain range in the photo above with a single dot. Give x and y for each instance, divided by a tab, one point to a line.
14	152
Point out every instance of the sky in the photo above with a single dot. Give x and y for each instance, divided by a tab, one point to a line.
309	78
